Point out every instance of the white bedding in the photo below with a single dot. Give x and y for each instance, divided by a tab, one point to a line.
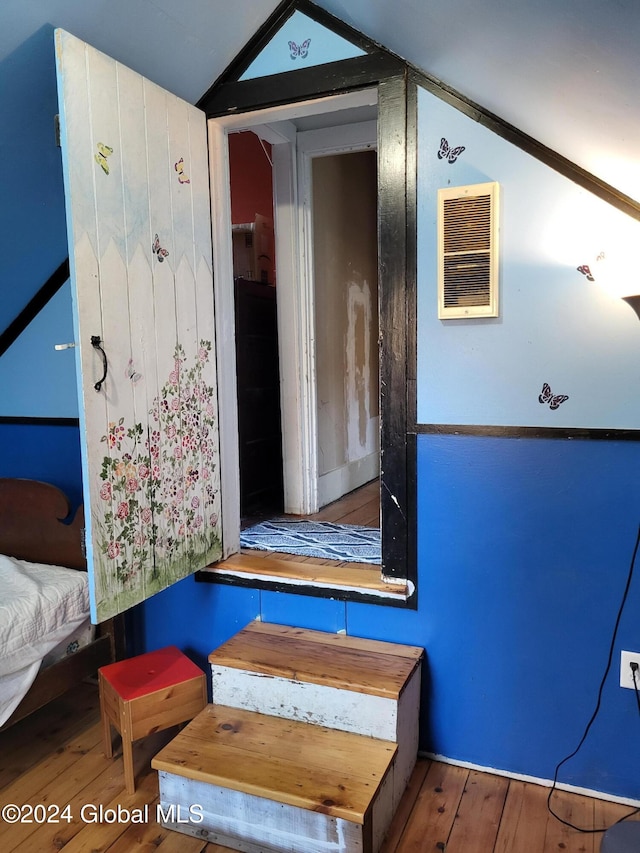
40	607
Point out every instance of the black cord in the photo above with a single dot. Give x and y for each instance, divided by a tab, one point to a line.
599	702
634	673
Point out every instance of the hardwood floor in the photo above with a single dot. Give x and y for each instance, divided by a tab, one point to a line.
54	759
361	506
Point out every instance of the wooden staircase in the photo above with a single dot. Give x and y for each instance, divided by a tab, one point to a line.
307	747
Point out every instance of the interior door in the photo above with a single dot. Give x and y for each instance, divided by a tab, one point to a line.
139	231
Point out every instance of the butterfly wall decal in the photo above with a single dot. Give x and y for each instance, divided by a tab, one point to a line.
158	250
131	372
585	270
179	167
448	153
554	400
299	50
104	151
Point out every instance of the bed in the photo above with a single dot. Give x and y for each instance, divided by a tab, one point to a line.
47	643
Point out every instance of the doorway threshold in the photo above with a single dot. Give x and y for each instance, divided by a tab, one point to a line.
281	572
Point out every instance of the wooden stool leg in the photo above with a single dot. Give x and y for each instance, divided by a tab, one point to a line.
126	732
127	757
107	745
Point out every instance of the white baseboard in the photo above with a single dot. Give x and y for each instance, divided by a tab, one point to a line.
334	484
535	780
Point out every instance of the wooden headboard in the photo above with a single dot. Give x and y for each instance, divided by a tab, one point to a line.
32	524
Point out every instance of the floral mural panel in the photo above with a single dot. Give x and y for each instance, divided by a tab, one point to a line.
138	221
160	485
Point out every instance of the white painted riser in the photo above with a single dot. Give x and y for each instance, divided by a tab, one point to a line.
319	704
256	825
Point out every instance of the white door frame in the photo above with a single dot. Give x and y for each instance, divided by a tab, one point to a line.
294	305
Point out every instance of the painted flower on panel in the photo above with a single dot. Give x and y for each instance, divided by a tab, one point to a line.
156	485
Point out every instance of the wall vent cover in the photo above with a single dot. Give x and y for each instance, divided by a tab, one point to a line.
468	251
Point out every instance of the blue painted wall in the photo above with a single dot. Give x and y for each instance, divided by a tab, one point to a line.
32	224
523	561
524	547
554	325
36	380
38	451
300	43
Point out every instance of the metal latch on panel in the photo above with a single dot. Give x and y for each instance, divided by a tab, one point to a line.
96	343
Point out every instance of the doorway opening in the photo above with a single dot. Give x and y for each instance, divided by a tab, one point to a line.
345	261
338	196
256	328
301	135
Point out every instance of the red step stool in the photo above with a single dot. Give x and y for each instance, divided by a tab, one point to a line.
146	694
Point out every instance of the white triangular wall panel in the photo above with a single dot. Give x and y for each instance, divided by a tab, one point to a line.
301	42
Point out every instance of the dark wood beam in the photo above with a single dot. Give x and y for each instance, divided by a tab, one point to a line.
302	85
51	286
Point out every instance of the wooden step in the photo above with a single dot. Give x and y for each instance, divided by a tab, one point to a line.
347	683
269	784
317	657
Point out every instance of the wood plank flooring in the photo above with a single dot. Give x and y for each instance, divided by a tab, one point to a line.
54	758
361	506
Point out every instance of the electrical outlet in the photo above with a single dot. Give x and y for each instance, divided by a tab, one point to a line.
626	677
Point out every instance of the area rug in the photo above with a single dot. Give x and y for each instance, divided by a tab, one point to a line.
350	543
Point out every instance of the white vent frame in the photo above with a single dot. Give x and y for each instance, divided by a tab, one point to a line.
480	299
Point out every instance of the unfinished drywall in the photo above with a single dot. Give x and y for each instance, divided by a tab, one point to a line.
346	311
